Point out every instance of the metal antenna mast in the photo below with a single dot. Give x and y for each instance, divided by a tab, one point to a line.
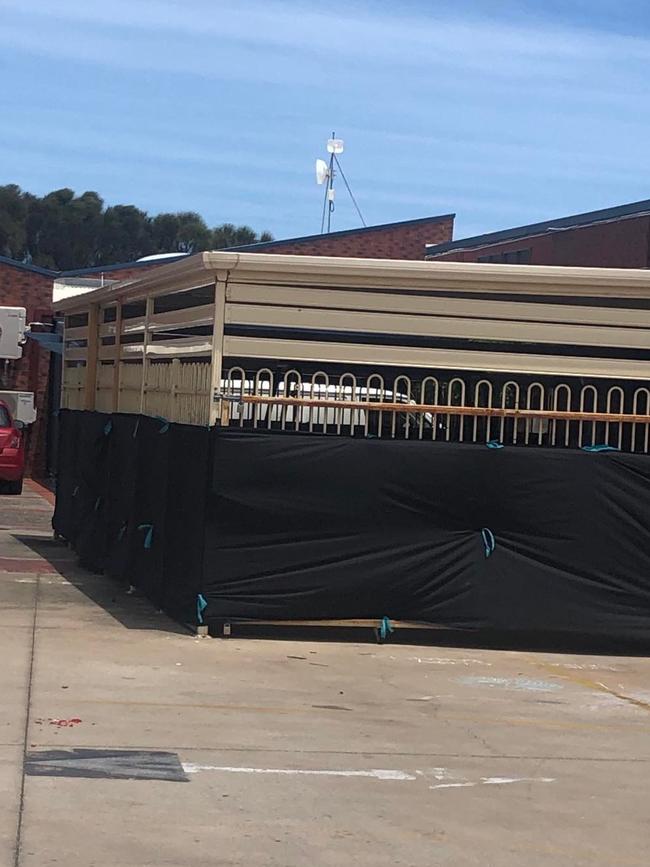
325	173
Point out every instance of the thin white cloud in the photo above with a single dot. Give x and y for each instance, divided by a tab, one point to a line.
438	108
356	35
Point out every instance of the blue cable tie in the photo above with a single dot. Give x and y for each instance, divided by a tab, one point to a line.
488	541
165	424
601	447
385	628
148	536
494	444
201	605
108	427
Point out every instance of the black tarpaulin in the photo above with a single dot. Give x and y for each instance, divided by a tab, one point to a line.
122	480
131	494
147	523
304	527
188	478
69	426
90	539
536	544
81	482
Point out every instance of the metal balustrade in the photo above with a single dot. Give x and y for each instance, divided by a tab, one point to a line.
555	414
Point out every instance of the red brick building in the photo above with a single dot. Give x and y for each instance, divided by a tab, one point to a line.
29	287
611	238
405	240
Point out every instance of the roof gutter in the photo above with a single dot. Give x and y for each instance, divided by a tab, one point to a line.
360	274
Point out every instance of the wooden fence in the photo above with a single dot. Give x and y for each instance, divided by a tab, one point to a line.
176	390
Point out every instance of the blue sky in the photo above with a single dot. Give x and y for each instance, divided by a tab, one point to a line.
503	112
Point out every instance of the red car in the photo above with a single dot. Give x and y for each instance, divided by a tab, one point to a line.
12	452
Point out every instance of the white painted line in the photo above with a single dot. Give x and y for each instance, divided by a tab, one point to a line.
451	781
452	785
492	781
497	781
376	773
586	667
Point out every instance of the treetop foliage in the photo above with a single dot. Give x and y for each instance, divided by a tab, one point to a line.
64	231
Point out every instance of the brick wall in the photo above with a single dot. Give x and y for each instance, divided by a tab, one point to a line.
612	244
21	287
395	241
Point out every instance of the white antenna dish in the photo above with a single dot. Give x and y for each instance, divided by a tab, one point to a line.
325	174
322	171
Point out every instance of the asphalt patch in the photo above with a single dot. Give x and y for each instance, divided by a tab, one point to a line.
106	765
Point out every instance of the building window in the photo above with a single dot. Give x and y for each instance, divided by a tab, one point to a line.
511	257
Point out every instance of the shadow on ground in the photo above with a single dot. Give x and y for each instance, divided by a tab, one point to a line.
136	612
129	609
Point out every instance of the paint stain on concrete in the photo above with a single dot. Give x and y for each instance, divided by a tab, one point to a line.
518	683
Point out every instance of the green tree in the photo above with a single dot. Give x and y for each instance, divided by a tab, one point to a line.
84	223
47	234
64	231
125	234
13	219
164	232
185	232
229	235
193	234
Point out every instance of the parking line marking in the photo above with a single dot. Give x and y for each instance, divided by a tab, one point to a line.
375	773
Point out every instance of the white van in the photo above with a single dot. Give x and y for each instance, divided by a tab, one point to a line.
322	418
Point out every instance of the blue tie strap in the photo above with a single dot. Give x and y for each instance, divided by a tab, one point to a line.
148	536
488	541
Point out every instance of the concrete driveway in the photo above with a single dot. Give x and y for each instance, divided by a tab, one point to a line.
125	741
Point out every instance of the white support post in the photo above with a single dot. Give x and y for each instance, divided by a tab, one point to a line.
145	359
91	358
173	388
64	400
214	416
115	396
